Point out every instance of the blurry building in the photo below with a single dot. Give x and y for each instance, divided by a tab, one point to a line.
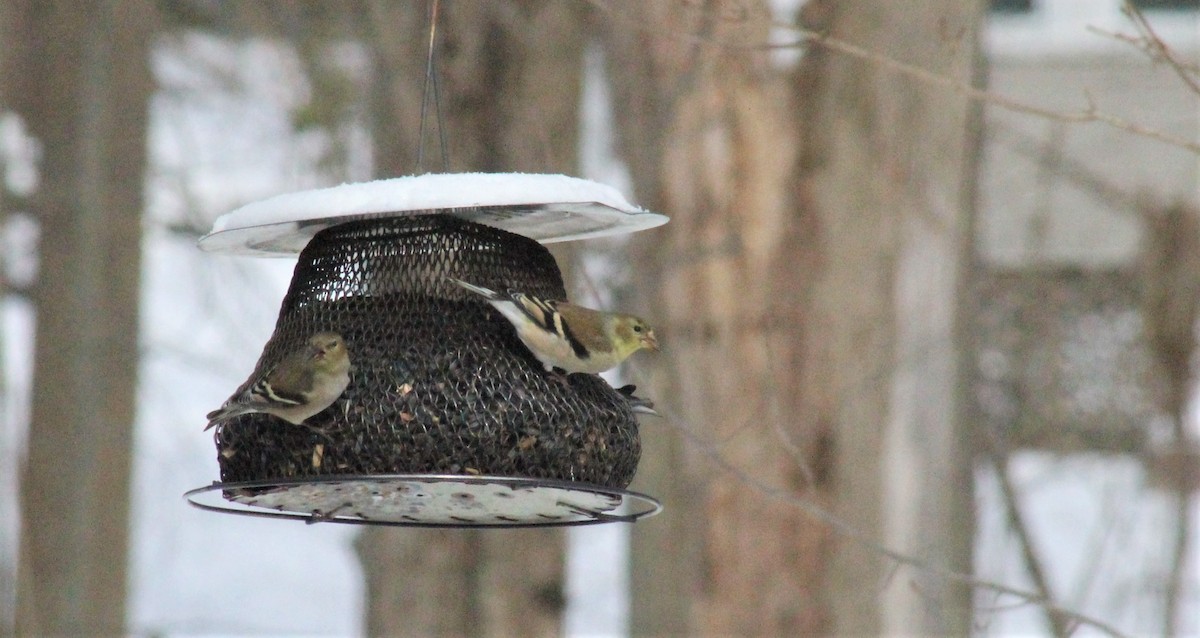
1061	212
1073	393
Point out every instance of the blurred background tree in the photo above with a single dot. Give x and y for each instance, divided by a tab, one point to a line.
861	352
81	82
819	218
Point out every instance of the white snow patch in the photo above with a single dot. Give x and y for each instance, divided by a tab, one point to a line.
423	192
546	208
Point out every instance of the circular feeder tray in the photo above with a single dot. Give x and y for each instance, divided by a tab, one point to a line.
546	208
423	500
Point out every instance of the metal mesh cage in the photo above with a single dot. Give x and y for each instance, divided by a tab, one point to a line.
440	382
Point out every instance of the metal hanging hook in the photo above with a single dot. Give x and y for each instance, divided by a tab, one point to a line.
431	82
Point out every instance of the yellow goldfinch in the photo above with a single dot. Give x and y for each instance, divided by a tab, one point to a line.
563	335
301	385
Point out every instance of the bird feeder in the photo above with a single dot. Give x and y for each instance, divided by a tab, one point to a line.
448	419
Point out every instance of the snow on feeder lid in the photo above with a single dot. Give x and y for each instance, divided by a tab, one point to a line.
547	208
447	420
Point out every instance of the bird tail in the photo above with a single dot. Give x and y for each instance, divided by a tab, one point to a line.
638	405
224	413
486	293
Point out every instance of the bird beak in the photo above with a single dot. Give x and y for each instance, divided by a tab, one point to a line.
649	341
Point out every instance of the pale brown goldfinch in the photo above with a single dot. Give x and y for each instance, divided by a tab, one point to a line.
301	385
569	337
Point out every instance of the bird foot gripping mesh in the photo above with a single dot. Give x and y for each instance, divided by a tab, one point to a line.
440	382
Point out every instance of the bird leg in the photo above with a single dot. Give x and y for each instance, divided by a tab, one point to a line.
560	376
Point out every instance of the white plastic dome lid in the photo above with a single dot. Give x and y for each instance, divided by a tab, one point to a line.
547	208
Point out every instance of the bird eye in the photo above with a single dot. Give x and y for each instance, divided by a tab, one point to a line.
637	328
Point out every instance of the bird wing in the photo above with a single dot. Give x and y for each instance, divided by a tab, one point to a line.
548	315
294	375
588	333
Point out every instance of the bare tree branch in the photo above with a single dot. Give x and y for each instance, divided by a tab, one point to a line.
1158	50
1179	551
1067	617
1083	116
1090	114
1073	171
1033	565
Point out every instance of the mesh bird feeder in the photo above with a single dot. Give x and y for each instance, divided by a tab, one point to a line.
448	419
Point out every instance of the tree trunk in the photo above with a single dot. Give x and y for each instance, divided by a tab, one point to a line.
808	286
88	108
894	189
710	137
509	80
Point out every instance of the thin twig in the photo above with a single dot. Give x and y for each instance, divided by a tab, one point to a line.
1157	49
1033	565
1141	44
1089	115
864	540
1075	172
1069	617
1179	552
